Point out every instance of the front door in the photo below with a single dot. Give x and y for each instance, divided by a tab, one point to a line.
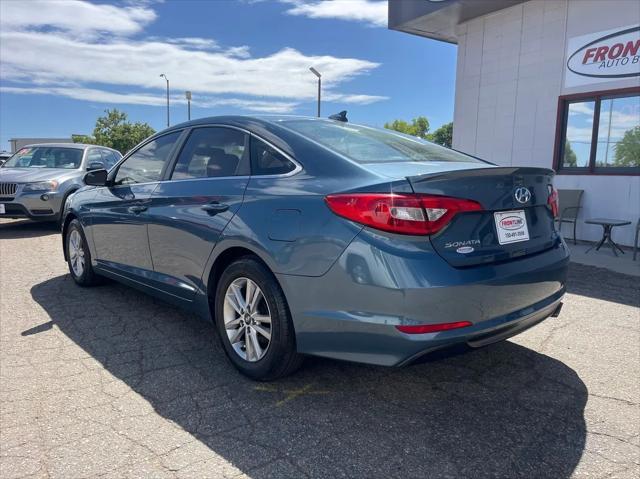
189	211
118	214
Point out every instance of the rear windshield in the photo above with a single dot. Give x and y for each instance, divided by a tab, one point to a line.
46	157
364	144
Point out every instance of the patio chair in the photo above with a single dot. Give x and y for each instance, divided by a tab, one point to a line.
635	242
570	204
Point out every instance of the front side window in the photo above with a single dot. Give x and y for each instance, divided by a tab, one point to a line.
46	157
601	135
145	165
212	152
372	145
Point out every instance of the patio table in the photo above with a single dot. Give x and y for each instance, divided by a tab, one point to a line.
607	225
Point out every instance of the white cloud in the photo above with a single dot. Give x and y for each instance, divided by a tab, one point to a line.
48	57
372	12
141	3
580	109
240	52
102	96
251	105
89	94
47	52
74	16
354	99
620	119
192	42
623	114
578	134
198	43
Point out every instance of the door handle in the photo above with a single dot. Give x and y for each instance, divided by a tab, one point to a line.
137	209
214	208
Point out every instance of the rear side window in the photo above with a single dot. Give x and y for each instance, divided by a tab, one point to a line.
213	152
145	165
94	156
266	160
363	144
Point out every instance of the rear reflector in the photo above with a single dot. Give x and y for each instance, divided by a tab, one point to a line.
432	328
400	213
553	202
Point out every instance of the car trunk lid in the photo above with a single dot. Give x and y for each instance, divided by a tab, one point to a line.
472	238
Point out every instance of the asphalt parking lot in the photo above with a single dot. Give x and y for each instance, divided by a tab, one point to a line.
109	382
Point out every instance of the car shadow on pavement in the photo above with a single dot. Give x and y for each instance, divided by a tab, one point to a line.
27	229
604	284
501	411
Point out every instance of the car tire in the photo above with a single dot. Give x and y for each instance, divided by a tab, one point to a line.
79	256
260	349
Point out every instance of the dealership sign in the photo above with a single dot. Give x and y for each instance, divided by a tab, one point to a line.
603	56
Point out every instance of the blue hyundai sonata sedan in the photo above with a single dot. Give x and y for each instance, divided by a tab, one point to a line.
304	236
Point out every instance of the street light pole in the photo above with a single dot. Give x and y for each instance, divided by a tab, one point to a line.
162	75
317	73
188	95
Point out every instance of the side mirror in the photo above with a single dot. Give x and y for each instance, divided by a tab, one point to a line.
95	165
96	178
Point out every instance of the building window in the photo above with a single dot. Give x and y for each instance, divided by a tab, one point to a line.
600	133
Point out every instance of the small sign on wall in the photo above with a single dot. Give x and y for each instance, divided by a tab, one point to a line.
603	56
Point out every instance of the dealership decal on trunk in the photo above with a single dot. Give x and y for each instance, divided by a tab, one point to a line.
511	223
603	56
511	226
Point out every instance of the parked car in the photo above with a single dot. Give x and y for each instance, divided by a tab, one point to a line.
305	236
38	179
4	156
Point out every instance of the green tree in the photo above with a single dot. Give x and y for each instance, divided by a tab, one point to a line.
570	158
443	135
419	127
113	130
628	149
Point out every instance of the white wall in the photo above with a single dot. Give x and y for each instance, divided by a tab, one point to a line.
510	73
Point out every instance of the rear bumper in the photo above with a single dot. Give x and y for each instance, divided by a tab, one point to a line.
380	282
498	329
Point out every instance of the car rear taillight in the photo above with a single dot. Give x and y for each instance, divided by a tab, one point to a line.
432	328
553	202
400	213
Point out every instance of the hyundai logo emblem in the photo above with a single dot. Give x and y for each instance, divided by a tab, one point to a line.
522	194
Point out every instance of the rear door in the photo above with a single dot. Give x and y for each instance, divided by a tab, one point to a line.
118	214
189	211
516	219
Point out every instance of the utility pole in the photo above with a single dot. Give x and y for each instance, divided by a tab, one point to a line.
162	75
317	73
188	95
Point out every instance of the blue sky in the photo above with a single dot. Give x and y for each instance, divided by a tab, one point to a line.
63	63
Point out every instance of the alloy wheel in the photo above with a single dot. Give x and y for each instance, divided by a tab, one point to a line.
247	319
76	253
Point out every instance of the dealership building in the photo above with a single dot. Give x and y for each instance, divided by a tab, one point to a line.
548	83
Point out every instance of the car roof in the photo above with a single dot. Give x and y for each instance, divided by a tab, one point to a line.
242	120
77	146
